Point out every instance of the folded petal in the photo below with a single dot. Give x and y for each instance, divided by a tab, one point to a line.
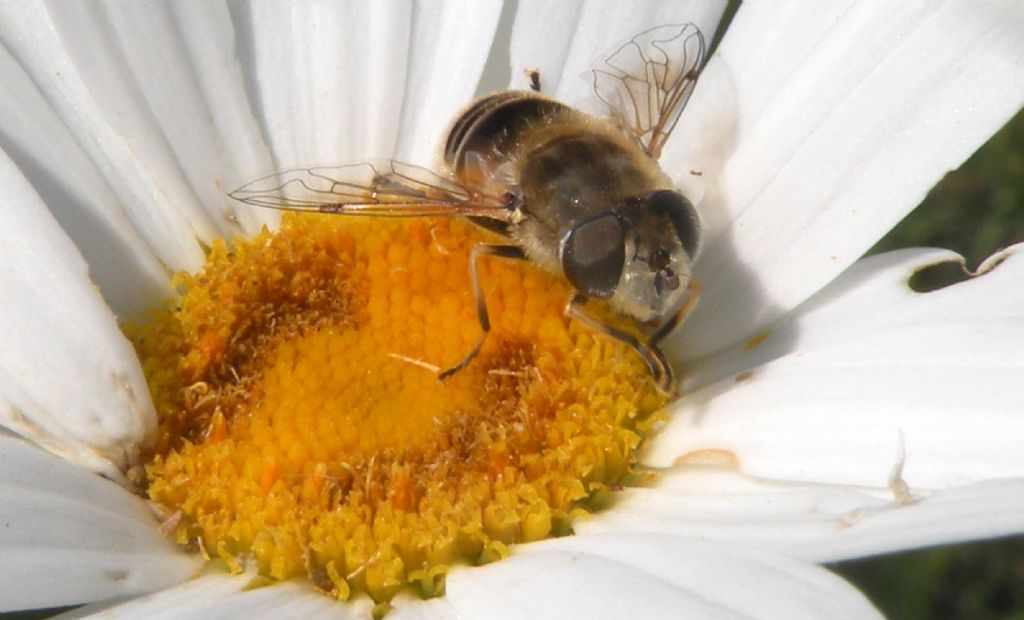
71	537
647	576
815	522
867	377
69	380
121	262
817	127
217	596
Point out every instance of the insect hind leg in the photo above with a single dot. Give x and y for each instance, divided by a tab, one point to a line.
479	250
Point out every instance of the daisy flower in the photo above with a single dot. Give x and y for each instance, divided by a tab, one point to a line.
829	412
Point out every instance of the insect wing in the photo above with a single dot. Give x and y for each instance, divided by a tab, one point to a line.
388	188
647	82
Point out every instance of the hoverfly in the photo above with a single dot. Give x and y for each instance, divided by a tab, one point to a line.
581	196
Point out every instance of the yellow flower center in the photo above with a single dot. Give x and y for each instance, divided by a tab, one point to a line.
302	423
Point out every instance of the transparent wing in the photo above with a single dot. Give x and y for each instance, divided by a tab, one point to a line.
647	82
387	188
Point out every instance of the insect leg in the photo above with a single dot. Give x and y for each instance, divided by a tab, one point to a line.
658	366
534	76
481	249
693	288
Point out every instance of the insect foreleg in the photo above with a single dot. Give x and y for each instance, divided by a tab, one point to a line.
481	249
659	367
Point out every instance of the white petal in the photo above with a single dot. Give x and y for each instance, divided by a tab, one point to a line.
183	60
649	576
69	380
872	374
406	606
71	537
331	77
450	43
818	126
409	606
82	72
564	41
120	261
218	596
820	523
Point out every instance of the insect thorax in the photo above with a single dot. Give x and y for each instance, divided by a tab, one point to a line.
563	164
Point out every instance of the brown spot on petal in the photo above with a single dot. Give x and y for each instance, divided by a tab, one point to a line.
756	340
718	457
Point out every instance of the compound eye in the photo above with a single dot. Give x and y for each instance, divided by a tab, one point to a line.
594	255
682	214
